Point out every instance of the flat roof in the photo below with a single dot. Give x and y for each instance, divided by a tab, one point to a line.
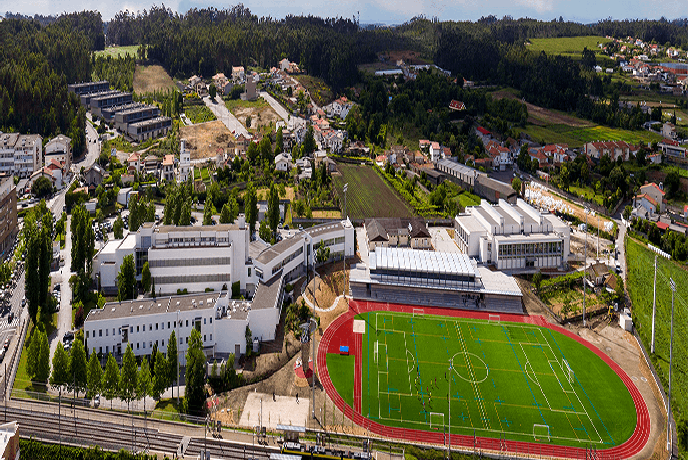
198	229
256	247
151	121
152	306
129	242
112	95
416	260
469	222
529	238
139	108
267	293
461	168
318	230
498	283
280	248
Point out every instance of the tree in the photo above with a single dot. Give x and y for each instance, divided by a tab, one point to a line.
279	142
225	215
264	231
248	335
118	228
110	382
516	185
79	368
323	253
42	187
273	208
251	207
212	91
126	279
672	182
95	375
161	378
208	210
537	281
60	373
144	386
248	121
43	368
185	215
194	396
627	212
33	352
309	144
172	359
128	382
146	278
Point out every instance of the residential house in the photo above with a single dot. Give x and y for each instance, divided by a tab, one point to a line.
134	163
669	131
219	80
456	106
339	108
539	156
358	148
398	232
283	162
484	135
501	156
613	149
435	152
654	159
657	194
596	274
424	146
60	149
94	175
238	74
168	168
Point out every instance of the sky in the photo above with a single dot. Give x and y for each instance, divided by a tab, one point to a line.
385	11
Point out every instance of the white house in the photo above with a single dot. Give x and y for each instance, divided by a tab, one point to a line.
283	162
20	154
59	148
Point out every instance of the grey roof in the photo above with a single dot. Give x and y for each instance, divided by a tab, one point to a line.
129	308
152	121
317	230
504	190
375	230
278	249
419	261
267	294
384	226
256	247
458	167
198	229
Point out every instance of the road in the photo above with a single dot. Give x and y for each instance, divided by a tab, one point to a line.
225	116
281	111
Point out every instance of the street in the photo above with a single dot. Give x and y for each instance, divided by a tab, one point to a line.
225	116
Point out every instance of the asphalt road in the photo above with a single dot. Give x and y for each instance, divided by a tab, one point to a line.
225	116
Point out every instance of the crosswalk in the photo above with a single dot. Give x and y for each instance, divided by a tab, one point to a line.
4	324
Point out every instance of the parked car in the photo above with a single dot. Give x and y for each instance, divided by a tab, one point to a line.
68	337
10	318
6	344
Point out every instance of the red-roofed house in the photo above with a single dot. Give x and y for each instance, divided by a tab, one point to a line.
685	212
435	152
657	194
134	163
424	145
614	149
662	226
456	105
486	163
539	156
168	168
483	134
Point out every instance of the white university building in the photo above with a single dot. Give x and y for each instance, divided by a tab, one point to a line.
513	238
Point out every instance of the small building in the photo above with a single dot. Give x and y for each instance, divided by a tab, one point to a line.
168	168
494	190
94	175
59	148
283	162
397	232
184	167
657	194
9	441
8	215
596	273
238	74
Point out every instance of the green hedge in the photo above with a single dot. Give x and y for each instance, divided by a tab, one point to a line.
35	450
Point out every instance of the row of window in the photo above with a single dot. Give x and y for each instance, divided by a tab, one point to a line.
165	263
424	275
181	279
160	325
142	345
287	259
527	249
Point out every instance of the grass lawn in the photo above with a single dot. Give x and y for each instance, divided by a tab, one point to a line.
570	46
341	368
588	193
199	114
640	282
576	137
468	199
368	194
117	51
119	143
152	78
205	176
507	379
234	104
23	387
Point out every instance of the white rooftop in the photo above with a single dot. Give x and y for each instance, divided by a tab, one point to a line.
415	260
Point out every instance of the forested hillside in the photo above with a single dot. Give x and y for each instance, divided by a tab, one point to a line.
37	63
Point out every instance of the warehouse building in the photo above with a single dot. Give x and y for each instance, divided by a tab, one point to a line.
427	278
514	238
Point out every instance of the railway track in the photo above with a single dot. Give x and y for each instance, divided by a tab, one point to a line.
119	434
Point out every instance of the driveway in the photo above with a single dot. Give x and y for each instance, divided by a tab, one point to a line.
441	240
64	316
225	116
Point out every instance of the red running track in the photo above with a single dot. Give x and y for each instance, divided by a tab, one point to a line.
340	333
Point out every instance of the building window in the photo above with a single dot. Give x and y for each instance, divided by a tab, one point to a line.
150	344
137	328
100	332
113	331
150	326
175	325
187	340
203	320
107	348
163	342
181	340
144	328
156	326
144	345
204	338
86	334
187	323
131	330
211	337
106	332
100	350
249	272
137	345
162	325
211	320
156	342
168	325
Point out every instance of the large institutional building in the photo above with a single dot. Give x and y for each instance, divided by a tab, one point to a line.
514	238
198	258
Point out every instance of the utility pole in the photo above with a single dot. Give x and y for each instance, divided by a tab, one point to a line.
671	357
313	327
346	186
585	261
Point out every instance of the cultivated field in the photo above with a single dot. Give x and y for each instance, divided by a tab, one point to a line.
541	116
152	78
513	380
116	51
206	139
576	137
368	194
640	276
567	46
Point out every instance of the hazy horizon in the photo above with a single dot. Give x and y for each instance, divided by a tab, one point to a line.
388	12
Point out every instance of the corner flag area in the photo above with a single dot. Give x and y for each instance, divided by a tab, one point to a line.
495	382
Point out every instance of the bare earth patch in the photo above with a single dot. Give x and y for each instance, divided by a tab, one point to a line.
205	140
152	78
260	116
541	116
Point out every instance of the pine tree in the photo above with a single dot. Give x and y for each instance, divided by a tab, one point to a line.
172	359
43	369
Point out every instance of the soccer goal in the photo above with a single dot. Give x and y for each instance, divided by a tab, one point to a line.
418	312
493	318
436	420
541	432
570	376
375	352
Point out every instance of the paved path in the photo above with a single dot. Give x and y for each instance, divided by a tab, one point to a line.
225	116
281	111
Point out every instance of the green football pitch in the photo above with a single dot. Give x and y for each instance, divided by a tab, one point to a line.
509	380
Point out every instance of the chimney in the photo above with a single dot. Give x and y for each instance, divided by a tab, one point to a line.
241	221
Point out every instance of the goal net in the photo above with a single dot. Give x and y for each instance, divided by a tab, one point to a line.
436	420
541	432
418	312
494	318
568	372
